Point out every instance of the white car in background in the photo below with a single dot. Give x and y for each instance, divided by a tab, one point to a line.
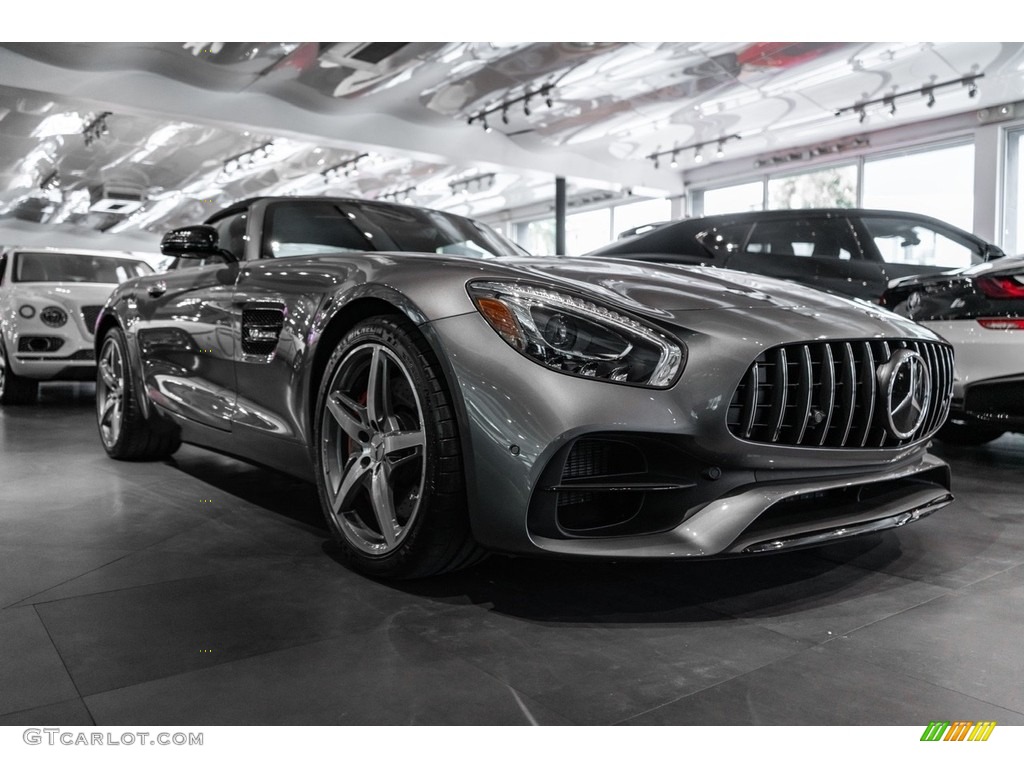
980	311
49	302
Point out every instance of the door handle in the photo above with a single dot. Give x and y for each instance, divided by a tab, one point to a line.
157	289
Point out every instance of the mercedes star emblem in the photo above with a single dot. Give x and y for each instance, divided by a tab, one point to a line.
906	392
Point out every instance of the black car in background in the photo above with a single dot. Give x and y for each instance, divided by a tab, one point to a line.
851	251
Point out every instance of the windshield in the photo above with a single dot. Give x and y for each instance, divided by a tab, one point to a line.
315	226
42	267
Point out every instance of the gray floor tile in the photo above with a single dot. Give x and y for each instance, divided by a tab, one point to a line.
825	686
115	639
381	676
969	641
31	672
63	713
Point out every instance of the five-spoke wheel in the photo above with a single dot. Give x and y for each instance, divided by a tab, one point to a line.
389	463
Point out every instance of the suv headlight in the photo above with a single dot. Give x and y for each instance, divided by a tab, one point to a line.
54	317
578	337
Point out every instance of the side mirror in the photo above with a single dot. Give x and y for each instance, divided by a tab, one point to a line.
195	242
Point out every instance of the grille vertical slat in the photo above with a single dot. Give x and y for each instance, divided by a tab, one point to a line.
828	394
750	406
805	383
827	397
869	387
849	392
777	416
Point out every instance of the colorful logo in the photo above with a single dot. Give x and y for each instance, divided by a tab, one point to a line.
958	730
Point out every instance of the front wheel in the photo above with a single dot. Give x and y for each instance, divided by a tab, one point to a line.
15	389
125	431
388	459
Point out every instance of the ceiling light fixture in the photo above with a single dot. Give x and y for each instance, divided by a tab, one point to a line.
346	168
503	106
698	147
478	183
96	128
927	91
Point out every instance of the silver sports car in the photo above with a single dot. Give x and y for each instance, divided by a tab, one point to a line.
450	395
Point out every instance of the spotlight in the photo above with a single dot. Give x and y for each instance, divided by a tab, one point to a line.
972	89
863	115
698	155
720	152
487	128
526	106
931	98
657	162
675	161
504	114
892	107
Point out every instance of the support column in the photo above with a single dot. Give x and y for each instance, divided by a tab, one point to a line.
560	215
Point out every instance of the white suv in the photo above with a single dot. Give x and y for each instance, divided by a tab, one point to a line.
49	301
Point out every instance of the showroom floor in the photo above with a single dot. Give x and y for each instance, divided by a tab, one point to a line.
203	591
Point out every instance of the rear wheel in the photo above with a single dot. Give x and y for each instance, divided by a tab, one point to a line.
389	465
959	433
125	431
15	389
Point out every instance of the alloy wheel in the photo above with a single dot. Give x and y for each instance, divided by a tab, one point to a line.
110	385
373	449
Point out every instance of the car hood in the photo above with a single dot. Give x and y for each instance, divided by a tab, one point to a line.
666	288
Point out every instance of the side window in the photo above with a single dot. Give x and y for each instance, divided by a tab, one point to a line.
905	241
305	228
808	238
725	238
3	267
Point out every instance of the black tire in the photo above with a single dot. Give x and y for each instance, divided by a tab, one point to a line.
959	433
125	432
15	389
388	459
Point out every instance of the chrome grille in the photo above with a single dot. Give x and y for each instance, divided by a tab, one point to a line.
90	315
827	394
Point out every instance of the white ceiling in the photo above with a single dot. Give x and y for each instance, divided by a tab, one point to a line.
195	126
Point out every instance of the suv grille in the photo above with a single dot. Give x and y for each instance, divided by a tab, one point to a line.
90	315
829	394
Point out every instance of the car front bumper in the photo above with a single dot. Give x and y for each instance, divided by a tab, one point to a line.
692	489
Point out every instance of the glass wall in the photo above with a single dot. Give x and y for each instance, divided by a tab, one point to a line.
733	199
935	182
825	188
632	215
586	231
1013	209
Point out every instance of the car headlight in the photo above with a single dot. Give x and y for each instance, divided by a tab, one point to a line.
576	336
27	311
54	317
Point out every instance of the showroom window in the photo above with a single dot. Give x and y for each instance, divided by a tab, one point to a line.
1013	211
633	215
734	199
538	237
936	182
588	230
824	188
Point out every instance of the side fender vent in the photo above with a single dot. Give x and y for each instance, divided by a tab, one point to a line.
261	329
